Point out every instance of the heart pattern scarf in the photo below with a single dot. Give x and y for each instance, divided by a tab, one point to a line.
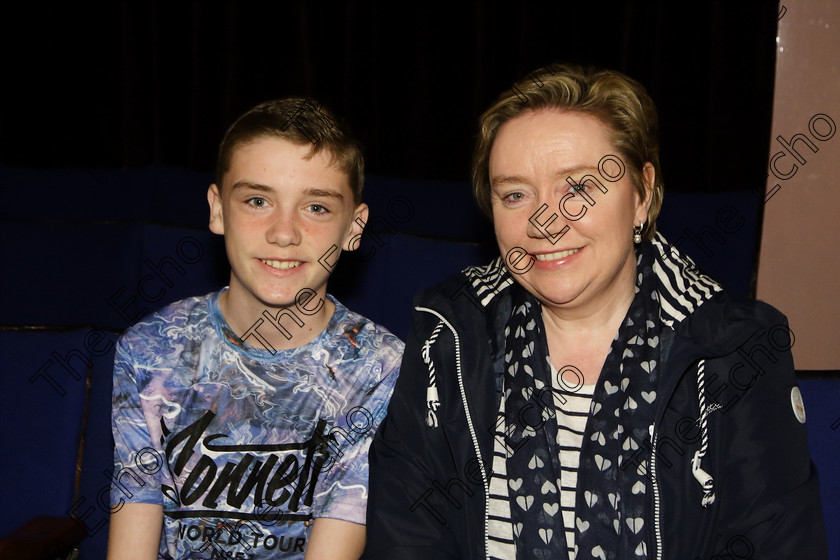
611	505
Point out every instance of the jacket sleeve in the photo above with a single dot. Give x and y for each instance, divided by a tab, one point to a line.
406	517
767	485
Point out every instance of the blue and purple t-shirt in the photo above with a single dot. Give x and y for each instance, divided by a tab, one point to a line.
243	444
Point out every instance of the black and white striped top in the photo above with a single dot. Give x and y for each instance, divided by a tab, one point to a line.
572	409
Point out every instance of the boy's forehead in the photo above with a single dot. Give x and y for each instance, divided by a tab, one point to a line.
270	156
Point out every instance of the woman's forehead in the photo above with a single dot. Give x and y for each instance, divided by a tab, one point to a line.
569	139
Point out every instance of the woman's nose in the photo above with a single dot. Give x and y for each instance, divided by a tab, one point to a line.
547	221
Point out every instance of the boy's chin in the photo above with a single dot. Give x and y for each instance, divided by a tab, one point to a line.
307	301
278	302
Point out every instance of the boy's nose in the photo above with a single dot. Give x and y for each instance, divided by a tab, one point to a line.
284	230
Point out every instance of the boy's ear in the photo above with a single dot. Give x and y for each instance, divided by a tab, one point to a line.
354	236
214	199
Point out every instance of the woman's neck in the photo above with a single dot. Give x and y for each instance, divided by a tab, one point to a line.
581	336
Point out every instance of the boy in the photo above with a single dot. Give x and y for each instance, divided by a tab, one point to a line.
242	418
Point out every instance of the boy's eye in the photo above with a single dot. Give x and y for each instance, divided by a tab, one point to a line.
318	209
257	201
577	187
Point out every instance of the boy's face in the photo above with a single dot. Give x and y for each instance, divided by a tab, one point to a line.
280	213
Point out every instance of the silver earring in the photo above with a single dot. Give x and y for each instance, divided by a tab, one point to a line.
637	233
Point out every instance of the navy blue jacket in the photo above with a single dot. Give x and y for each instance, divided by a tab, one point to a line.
428	495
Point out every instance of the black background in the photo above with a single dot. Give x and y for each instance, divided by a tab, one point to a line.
132	84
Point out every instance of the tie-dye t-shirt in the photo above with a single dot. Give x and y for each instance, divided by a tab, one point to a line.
243	444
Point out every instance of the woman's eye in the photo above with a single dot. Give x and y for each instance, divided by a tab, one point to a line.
577	187
513	197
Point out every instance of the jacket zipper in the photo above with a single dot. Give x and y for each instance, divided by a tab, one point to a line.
657	530
473	436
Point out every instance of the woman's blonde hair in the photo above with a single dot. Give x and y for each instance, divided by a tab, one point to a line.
617	100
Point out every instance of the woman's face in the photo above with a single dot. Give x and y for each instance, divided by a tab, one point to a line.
585	256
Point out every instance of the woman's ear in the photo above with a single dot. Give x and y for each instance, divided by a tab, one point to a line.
214	199
648	179
353	239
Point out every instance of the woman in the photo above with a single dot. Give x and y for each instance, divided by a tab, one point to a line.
590	394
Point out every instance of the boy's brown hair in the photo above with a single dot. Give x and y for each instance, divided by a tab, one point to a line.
300	121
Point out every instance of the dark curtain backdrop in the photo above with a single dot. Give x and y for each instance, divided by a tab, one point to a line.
134	83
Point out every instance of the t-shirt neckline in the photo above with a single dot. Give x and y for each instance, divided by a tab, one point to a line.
247	347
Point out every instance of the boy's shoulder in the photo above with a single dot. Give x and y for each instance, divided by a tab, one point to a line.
197	320
360	331
186	318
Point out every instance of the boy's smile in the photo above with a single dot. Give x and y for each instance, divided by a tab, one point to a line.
280	209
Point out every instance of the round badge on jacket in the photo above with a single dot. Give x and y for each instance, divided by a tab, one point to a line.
797	404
